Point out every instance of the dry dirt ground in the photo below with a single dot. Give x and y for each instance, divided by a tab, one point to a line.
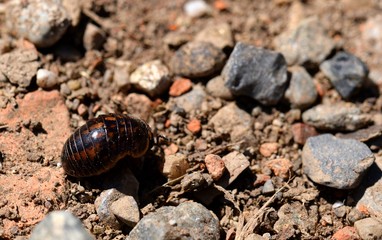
35	123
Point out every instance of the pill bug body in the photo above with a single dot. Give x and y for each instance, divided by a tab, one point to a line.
100	143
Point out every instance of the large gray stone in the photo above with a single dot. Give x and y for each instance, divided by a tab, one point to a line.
189	220
60	225
334	162
41	22
257	73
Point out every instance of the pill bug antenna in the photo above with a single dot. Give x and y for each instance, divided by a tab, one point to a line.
160	139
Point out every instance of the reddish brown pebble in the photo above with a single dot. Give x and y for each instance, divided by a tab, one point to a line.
180	86
194	126
172	149
167	124
261	179
267	149
215	166
346	233
301	132
281	167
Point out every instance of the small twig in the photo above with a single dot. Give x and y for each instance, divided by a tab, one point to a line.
250	226
97	19
222	148
173	182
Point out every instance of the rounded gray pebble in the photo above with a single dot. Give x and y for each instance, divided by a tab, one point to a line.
192	100
346	72
268	187
41	22
257	73
189	220
197	60
60	225
102	205
301	91
334	162
126	209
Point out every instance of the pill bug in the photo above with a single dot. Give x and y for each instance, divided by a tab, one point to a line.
101	142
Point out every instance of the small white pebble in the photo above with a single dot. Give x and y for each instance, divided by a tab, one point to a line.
46	79
337	204
196	8
172	222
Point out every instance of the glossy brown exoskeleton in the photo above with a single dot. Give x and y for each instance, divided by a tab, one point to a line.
100	143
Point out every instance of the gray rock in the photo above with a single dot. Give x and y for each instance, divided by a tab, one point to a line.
94	37
121	76
336	117
195	181
189	220
372	200
219	34
216	87
102	205
307	43
257	73
369	228
235	121
334	162
46	79
19	66
268	187
192	100
152	77
60	225
41	22
346	72
301	92
197	60
126	209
